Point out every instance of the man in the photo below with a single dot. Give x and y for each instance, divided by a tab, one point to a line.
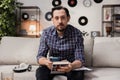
64	41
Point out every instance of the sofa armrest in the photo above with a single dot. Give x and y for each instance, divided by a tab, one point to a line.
106	52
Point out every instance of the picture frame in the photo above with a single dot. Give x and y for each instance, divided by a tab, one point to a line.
107	14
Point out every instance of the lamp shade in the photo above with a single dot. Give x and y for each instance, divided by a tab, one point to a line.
32	28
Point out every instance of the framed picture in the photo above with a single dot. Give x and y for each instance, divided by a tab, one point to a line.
107	14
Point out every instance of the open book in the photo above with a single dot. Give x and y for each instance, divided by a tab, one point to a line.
57	65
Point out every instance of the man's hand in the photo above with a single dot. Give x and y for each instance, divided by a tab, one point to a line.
67	68
46	62
49	64
75	64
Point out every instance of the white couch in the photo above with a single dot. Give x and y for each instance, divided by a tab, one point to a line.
102	55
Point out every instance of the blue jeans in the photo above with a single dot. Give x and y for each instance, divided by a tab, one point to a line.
43	73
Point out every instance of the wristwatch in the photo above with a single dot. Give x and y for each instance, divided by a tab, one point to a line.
87	3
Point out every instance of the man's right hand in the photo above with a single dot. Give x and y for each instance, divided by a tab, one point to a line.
46	62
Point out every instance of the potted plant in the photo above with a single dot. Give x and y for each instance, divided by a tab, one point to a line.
8	17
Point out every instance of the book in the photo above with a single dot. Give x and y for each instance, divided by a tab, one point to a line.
57	65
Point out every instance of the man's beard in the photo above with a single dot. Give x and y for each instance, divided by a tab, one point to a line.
61	30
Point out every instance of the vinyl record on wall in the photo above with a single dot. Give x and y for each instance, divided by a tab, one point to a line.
56	3
82	20
72	3
98	1
87	3
25	16
48	16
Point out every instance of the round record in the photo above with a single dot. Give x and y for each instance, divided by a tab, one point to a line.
48	16
98	1
72	3
83	20
87	3
25	16
56	3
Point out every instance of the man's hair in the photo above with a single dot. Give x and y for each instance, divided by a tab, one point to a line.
59	8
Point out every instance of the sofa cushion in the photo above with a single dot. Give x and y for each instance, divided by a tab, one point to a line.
103	74
26	75
106	52
16	50
60	77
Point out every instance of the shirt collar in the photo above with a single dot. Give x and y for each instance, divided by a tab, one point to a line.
66	33
54	31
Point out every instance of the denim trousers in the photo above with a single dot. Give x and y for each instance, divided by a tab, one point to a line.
43	73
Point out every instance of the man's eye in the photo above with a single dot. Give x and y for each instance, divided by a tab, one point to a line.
56	18
63	17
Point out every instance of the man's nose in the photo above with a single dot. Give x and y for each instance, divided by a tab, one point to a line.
60	20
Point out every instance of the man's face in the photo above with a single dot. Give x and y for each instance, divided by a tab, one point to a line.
60	19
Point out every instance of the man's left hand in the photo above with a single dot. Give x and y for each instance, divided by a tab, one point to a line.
67	68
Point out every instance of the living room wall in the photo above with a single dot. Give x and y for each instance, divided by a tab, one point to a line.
93	13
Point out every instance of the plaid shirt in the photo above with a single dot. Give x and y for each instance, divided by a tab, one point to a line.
70	47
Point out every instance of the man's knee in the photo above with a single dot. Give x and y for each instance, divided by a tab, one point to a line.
75	75
42	73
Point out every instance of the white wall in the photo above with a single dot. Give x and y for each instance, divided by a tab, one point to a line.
93	13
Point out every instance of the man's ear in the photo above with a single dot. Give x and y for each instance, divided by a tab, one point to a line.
68	18
51	19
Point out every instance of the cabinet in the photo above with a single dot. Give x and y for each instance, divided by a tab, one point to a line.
28	21
111	20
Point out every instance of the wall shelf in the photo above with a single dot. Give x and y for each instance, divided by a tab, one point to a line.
111	20
29	21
